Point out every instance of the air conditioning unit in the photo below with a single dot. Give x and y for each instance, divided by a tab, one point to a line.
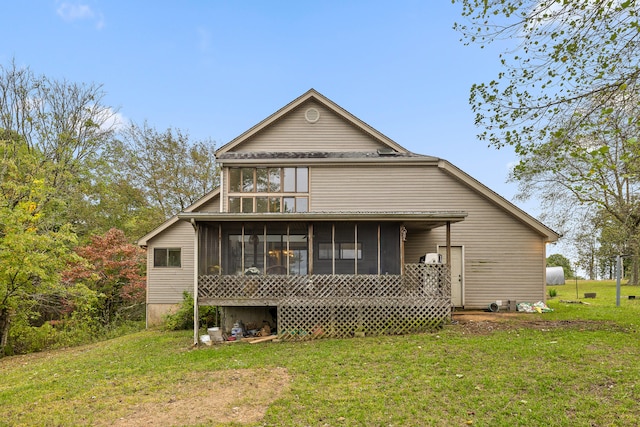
433	258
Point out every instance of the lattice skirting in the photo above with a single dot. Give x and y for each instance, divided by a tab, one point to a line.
312	319
316	306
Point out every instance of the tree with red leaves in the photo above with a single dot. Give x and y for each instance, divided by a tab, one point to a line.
115	270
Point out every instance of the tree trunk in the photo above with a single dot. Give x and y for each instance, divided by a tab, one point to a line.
5	320
635	268
592	265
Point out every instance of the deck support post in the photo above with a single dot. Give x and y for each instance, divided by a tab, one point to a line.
196	316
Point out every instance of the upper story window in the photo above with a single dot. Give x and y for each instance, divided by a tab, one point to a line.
269	189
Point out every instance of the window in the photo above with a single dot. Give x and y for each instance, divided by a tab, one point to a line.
289	180
349	251
234	204
274	180
302	180
289	204
325	250
247	205
166	257
262	204
302	204
262	180
247	180
268	190
343	251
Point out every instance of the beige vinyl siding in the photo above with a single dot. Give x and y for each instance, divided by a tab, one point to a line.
331	133
504	259
211	206
166	284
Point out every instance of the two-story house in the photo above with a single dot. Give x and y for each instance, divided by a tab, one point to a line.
324	226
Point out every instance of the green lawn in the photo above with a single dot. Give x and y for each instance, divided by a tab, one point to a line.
576	366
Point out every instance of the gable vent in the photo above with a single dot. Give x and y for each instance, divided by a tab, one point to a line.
312	115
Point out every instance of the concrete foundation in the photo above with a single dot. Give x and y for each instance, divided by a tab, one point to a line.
157	312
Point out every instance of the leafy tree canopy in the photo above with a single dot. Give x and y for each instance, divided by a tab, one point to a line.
32	250
114	269
570	58
558	260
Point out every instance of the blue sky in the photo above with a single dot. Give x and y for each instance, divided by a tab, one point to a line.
216	68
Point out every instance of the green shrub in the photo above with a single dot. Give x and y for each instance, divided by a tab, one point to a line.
183	318
68	332
553	293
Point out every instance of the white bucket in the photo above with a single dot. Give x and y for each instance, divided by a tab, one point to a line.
215	334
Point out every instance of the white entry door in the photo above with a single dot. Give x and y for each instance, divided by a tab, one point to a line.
457	273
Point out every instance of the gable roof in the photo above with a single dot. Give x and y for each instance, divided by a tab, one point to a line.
312	94
168	223
397	153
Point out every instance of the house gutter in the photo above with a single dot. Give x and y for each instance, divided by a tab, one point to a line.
329	161
430	217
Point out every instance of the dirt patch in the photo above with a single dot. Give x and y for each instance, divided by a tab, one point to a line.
480	316
240	396
480	322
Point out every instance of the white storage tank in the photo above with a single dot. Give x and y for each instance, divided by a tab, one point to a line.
433	258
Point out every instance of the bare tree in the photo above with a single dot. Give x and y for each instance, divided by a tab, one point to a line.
172	170
66	123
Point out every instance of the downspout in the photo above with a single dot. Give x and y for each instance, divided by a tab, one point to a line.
196	316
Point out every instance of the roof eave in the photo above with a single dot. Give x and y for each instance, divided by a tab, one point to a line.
328	161
435	216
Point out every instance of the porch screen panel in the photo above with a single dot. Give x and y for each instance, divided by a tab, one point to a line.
346	249
323	249
254	244
232	249
368	242
208	251
276	249
390	248
298	249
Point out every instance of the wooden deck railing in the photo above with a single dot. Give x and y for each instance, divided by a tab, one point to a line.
340	305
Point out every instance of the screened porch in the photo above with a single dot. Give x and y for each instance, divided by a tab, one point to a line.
330	277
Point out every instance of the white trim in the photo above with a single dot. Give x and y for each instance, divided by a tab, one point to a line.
462	270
